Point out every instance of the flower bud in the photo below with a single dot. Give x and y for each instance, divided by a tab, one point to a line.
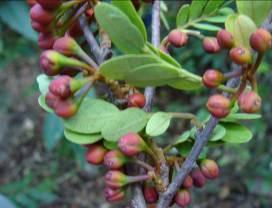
131	144
95	154
210	45
150	194
136	100
31	3
45	40
198	178
61	86
212	78
218	106
249	102
49	4
225	39
209	168
51	99
260	40
40	15
114	159
113	195
115	179
240	56
71	72
66	45
188	182
39	27
75	30
65	108
177	38
182	198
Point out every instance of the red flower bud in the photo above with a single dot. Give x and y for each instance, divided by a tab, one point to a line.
114	159
225	39
210	45
95	154
113	195
240	56
209	168
31	3
188	182
75	30
61	86
198	178
40	15
136	100
39	27
49	4
150	194
177	38
249	102
212	78
218	106
260	40
115	179
66	45
65	108
182	198
45	40
51	99
131	144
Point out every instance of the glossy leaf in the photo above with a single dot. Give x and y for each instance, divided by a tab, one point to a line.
206	26
186	81
158	124
212	6
152	75
218	133
185	148
117	68
183	15
41	101
183	137
241	116
236	133
197	8
123	33
43	83
91	116
78	138
110	145
241	27
128	8
256	10
216	19
129	120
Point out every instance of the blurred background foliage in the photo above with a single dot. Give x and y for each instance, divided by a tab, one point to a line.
39	168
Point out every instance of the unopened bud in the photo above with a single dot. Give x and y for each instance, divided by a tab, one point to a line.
45	40
249	102
40	15
260	40
240	56
67	46
131	144
51	99
188	182
210	45
209	168
212	78
136	100
113	195
182	198
61	86
225	39
177	38
198	178
115	159
115	179
150	194
49	4
95	154
65	108
218	105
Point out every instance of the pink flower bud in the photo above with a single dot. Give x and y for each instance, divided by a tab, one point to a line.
61	86
131	144
66	45
136	100
114	159
39	27
113	195
209	168
51	99
188	182
45	40
150	194
198	178
95	154
177	38
218	105
65	108
115	179
240	56
210	45
212	78
40	15
49	63
49	4
183	198
260	40
249	102
225	39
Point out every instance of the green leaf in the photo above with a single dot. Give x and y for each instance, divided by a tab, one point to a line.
16	15
91	116
197	8
158	124
117	68
186	81
212	6
183	137
43	82
41	101
185	148
152	75
110	145
52	131
205	26
129	120
241	27
183	15
123	33
236	133
256	10
78	138
128	8
216	19
241	116
218	133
